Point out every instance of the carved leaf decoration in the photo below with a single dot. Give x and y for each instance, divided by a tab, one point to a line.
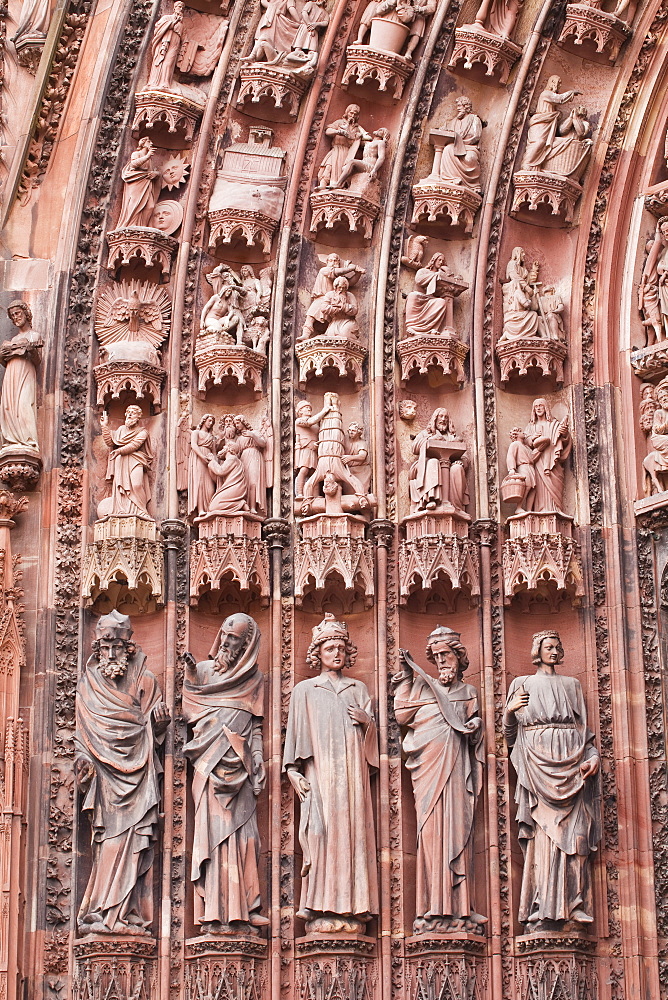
133	310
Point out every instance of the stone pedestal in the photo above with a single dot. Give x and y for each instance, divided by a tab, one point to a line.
438	208
474	46
538	188
387	70
333	545
229	968
589	27
338	213
216	362
139	377
158	110
229	547
19	467
444	354
651	362
436	550
339	966
112	966
144	245
445	965
239	225
124	550
543	357
556	964
271	87
541	558
319	354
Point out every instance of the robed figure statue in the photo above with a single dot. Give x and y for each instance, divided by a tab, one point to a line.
445	757
331	733
557	796
223	698
120	716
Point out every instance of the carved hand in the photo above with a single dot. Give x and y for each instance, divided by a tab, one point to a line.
84	773
161	718
519	701
589	767
104	419
300	784
259	775
358	715
475	725
190	663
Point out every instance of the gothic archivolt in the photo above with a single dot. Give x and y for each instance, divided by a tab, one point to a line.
334	450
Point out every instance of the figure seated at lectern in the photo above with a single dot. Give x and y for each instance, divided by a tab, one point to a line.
438	476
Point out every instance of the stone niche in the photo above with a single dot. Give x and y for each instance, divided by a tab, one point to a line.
590	31
437	557
541	559
229	553
532	356
141	247
334	554
173	114
380	63
271	92
233	966
250	174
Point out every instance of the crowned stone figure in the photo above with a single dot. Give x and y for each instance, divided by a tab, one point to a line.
557	795
120	717
331	733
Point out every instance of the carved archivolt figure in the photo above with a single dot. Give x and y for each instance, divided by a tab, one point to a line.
554	145
557	796
429	309
331	458
347	136
445	757
231	483
498	17
250	446
130	459
141	186
223	699
405	12
331	732
520	483
357	455
120	716
201	484
33	24
223	313
329	304
527	312
306	443
655	466
438	475
165	46
459	162
304	52
18	402
653	289
552	440
276	31
361	175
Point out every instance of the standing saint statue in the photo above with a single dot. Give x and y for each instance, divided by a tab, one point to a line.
141	187
130	459
20	355
120	716
557	795
165	46
551	440
445	757
223	698
331	733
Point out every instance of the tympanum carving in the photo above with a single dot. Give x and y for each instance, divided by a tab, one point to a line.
445	756
331	730
283	60
347	198
250	174
555	158
223	698
431	340
20	460
533	336
120	717
557	796
488	40
330	336
450	195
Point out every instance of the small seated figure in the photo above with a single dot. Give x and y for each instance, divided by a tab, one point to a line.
656	464
429	311
333	314
436	483
259	334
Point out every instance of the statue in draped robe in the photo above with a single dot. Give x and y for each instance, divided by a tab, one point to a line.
141	187
557	794
460	160
445	757
551	440
130	458
223	699
436	483
331	733
165	46
20	355
120	716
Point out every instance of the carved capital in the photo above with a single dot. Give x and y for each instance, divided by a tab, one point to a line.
19	468
382	532
276	532
173	531
486	531
10	506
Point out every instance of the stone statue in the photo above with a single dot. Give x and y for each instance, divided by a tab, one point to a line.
655	466
407	410
445	757
528	312
552	144
648	406
165	46
223	699
405	12
130	459
459	161
276	31
18	402
498	17
347	136
429	307
306	443
557	795
250	446
331	458
333	310
32	28
201	483
357	455
520	482
231	492
652	290
552	440
331	732
141	187
303	55
437	477
120	716
361	176
223	314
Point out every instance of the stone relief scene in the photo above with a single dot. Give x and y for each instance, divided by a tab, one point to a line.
333	500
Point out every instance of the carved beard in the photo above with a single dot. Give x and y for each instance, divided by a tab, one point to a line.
225	660
446	677
114	668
